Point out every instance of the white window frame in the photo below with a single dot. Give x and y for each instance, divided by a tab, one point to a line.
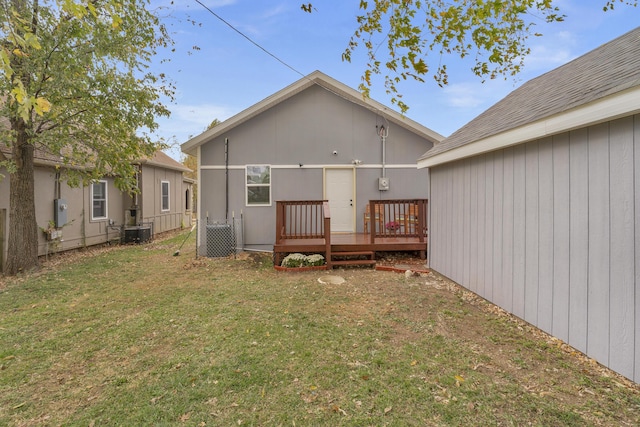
162	196
253	184
105	184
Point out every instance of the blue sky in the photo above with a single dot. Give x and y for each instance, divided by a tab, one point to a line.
226	73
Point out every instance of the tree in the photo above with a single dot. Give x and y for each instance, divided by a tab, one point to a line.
74	83
399	35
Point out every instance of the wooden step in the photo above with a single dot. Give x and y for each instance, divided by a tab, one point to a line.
353	258
354	262
370	254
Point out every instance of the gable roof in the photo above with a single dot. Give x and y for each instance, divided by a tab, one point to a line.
162	160
328	83
601	85
41	157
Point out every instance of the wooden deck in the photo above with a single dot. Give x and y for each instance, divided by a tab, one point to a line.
353	242
305	226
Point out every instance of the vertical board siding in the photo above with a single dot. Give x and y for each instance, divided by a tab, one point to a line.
459	222
482	199
434	218
636	311
466	263
519	209
488	228
549	231
445	221
561	236
532	235
498	230
599	239
507	233
448	220
545	241
578	238
622	255
473	250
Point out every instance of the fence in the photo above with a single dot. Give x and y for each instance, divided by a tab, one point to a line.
220	238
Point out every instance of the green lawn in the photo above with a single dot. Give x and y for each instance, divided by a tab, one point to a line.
135	336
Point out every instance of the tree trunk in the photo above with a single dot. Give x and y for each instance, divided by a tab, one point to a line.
23	229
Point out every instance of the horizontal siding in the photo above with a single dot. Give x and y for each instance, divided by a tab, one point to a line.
293	137
548	230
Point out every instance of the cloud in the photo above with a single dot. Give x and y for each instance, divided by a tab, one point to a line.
551	51
464	95
263	24
274	11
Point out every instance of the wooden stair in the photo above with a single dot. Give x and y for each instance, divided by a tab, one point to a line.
353	258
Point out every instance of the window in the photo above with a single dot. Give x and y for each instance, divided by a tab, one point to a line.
258	179
165	195
99	200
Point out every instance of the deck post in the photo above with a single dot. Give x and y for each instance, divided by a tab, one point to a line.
422	223
422	217
373	222
327	233
279	220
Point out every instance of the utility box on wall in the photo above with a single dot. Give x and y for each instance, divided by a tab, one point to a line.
60	212
383	184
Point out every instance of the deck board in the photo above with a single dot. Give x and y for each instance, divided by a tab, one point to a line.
343	242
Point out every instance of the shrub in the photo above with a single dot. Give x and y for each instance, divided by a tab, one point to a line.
300	260
314	260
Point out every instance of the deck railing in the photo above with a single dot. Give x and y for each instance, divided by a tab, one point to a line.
304	219
397	218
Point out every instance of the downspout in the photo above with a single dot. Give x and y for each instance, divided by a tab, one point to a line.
226	177
56	190
83	226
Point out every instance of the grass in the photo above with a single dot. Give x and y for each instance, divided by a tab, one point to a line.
135	336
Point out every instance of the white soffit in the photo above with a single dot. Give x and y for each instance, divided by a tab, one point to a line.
605	109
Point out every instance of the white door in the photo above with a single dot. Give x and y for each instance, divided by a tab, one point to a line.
339	191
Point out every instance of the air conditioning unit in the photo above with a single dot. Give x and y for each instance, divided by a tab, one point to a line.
383	184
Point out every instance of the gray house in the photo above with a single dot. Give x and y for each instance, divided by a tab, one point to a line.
535	204
77	217
315	139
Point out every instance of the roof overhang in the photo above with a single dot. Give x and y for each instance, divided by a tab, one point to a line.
621	104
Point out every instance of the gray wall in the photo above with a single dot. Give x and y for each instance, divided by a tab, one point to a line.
150	198
306	129
80	231
548	230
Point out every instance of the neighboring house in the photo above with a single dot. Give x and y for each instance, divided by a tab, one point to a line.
535	204
85	216
165	193
316	139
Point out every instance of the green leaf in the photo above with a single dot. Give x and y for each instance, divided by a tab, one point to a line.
418	34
